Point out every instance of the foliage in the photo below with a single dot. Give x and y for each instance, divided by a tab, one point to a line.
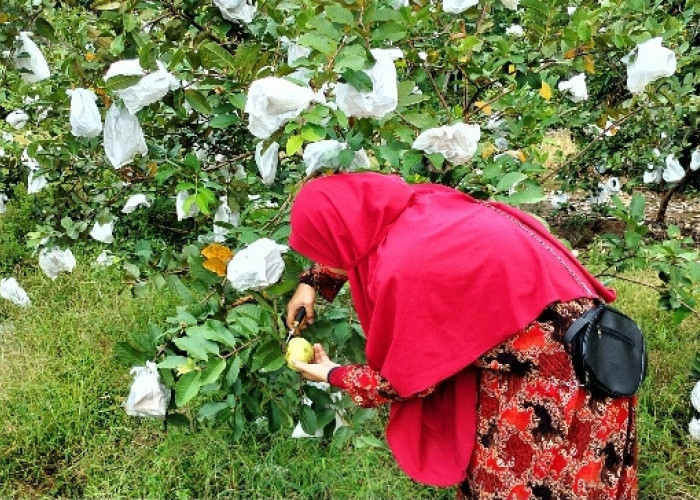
222	347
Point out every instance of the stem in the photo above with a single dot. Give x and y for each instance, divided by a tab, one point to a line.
437	90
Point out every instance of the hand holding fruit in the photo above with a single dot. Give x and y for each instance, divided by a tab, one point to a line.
315	369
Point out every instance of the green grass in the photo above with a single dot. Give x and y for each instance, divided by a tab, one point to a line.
64	433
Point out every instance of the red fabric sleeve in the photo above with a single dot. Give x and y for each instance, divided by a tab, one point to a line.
326	283
366	387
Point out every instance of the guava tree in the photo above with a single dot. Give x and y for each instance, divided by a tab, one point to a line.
206	117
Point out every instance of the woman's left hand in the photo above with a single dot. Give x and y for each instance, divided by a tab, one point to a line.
318	370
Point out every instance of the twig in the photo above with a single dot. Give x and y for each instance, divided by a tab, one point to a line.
437	90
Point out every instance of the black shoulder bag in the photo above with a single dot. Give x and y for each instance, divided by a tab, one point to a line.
608	352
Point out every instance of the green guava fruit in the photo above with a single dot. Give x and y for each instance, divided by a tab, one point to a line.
298	349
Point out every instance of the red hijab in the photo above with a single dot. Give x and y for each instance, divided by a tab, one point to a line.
437	279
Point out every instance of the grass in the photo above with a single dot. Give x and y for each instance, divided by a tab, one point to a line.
63	432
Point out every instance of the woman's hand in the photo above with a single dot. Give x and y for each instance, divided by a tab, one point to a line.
305	296
318	370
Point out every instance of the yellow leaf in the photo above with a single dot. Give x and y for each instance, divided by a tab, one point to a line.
152	169
521	156
90	56
570	54
215	265
488	150
217	251
483	107
511	69
186	367
4	18
546	91
588	64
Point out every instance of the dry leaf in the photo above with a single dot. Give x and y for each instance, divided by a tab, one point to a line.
546	91
483	107
570	54
214	265
488	150
217	257
588	64
511	69
90	56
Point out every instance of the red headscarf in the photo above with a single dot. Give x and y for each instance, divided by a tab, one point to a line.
437	279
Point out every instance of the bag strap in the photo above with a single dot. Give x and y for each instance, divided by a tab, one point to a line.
581	323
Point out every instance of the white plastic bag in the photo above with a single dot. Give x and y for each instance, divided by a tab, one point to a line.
236	10
151	88
457	143
56	261
695	396
652	175
559	199
180	200
10	290
127	67
148	397
85	119
673	171
383	97
515	30
457	6
694	429
105	259
272	102
267	162
17	119
511	4
324	154
35	182
225	215
103	232
31	59
695	160
134	202
257	266
3	200
576	87
652	62
123	137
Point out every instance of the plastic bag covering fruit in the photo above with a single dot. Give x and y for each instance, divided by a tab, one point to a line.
324	154
457	143
148	397
383	97
457	6
225	215
3	200
134	202
103	232
17	119
576	87
236	10
267	162
652	62
31	59
123	137
180	200
272	102
257	266
10	290
150	88
673	171
56	261
85	119
298	349
336	396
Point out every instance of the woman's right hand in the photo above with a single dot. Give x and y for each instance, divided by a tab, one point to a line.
305	296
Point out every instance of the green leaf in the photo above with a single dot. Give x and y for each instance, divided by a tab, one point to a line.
120	82
211	410
177	286
637	207
307	417
390	31
44	28
275	417
198	101
106	5
233	371
172	362
197	346
510	180
128	354
367	441
215	368
340	15
187	387
321	43
294	144
358	79
224	121
215	56
421	120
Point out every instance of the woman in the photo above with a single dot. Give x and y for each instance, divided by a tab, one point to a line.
464	305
